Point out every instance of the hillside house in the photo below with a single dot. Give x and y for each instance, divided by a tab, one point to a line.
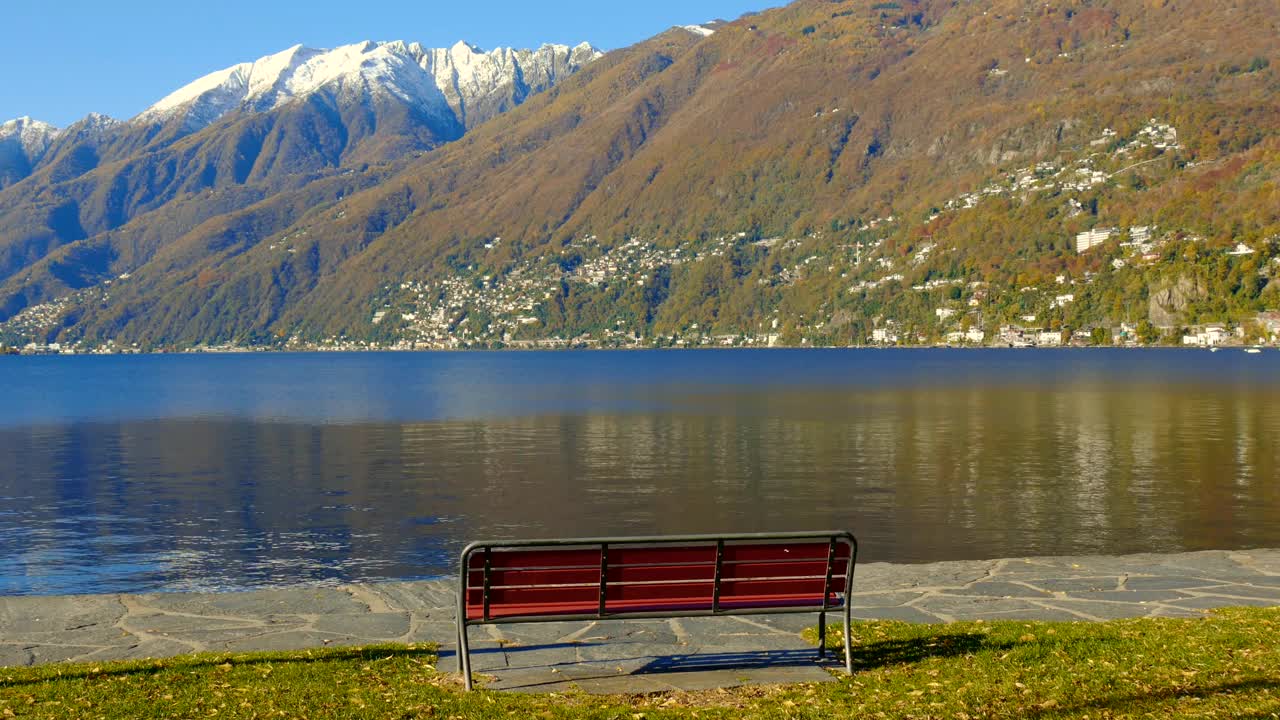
1082	338
1211	335
974	336
1015	336
884	336
1048	338
1126	334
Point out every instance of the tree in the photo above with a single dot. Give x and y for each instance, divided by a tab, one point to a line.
1255	333
1148	334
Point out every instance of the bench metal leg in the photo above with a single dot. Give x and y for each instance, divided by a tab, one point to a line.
464	648
848	635
822	635
464	655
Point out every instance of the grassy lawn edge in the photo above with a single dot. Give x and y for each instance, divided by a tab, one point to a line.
1225	664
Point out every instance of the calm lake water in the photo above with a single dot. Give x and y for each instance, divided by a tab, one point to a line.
128	474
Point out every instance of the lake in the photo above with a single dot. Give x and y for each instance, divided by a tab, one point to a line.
224	472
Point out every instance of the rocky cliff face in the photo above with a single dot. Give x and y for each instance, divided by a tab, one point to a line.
1169	301
479	85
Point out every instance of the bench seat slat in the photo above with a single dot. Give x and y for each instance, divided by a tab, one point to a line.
520	558
754	588
837	583
569	578
782	552
700	554
585	598
653	573
662	573
501	597
540	576
807	568
623	607
587	557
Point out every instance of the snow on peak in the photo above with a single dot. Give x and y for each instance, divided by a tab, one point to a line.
33	136
220	92
97	121
702	30
429	78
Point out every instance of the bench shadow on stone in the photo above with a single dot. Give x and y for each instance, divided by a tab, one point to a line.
700	662
865	657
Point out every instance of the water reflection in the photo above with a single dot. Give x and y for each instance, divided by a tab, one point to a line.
922	471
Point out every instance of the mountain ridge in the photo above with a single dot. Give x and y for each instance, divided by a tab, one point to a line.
460	74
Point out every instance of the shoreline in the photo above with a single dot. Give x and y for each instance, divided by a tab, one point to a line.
708	348
36	630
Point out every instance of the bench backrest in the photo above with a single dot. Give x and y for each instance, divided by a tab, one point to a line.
622	577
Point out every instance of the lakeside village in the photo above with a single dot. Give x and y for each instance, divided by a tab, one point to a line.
485	309
445	325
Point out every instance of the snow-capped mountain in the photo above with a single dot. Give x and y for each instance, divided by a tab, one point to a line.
33	137
436	81
23	142
328	122
91	127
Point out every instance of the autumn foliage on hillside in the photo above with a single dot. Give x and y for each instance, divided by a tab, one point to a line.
810	125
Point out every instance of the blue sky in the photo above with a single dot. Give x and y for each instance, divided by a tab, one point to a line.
62	60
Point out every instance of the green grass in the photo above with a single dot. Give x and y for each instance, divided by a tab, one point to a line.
1225	665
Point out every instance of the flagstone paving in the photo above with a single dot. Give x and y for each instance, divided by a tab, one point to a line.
634	656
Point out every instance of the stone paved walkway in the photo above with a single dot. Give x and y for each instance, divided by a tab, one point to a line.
629	656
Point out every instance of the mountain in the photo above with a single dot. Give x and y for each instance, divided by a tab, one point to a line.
458	87
822	173
23	142
236	137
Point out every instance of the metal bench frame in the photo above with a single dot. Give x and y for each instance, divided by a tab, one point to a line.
833	537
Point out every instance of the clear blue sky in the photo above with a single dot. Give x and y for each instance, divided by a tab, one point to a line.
62	60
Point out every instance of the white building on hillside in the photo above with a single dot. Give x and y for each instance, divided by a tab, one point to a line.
1093	238
884	336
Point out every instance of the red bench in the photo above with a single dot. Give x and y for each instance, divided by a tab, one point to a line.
646	577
